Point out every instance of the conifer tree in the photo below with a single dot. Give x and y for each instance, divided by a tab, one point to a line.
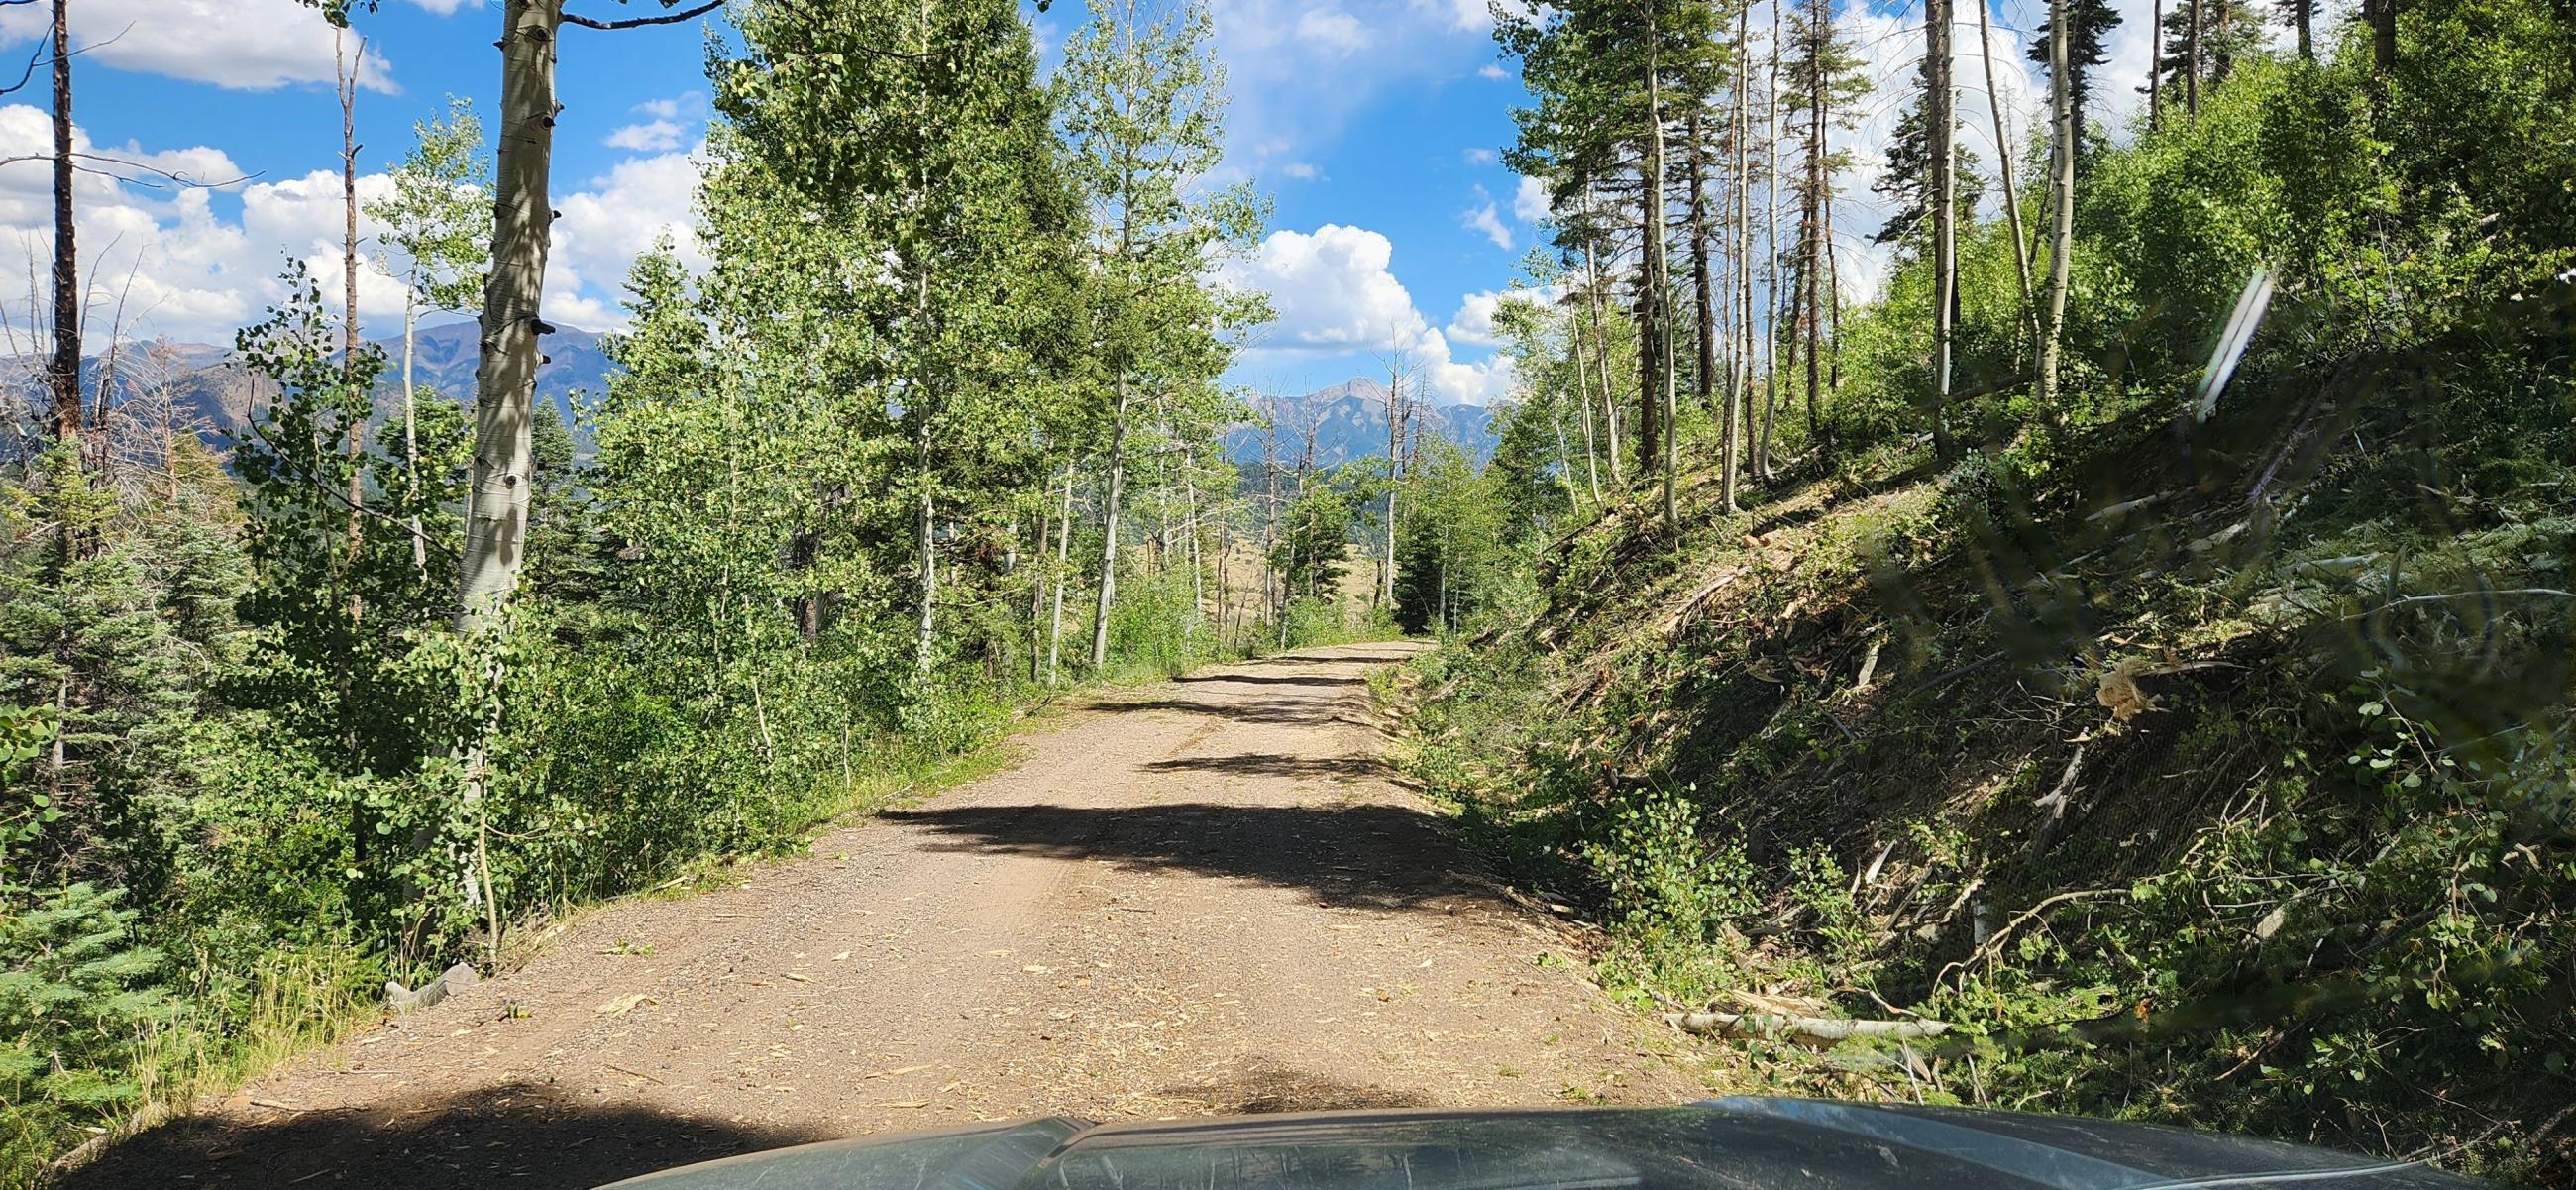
2088	46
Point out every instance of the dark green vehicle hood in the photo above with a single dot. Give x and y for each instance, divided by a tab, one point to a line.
1737	1144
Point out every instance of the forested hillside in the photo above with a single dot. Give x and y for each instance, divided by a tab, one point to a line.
2123	667
2023	678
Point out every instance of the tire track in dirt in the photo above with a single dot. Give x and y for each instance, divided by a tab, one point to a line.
1200	896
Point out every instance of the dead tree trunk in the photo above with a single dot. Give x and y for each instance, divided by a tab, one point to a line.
62	374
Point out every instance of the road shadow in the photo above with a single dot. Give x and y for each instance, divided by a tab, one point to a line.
1368	659
523	1135
1273	679
1265	1087
1364	855
1309	711
1273	764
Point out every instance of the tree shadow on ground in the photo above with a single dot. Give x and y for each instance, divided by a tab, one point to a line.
1264	1087
528	1135
1292	710
1274	764
1365	855
1369	659
1274	679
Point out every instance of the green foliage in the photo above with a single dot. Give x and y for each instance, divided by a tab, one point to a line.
438	216
2207	771
1315	531
77	1006
1452	564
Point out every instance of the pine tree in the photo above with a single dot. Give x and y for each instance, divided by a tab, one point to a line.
2089	46
1907	181
2201	43
1826	84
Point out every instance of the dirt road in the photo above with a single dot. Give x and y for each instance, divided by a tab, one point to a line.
1202	896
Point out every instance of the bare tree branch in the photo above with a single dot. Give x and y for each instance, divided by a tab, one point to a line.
668	18
120	162
38	55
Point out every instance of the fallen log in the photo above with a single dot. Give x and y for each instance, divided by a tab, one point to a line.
1812	1030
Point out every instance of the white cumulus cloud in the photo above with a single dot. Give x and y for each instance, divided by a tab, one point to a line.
1475	382
254	45
1330	290
1474	322
1333	29
1485	220
652	136
1335	296
196	263
1529	200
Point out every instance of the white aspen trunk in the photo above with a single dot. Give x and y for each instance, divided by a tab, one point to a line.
1444	585
927	638
1658	268
1564	457
1703	286
1740	369
1224	605
1772	298
505	381
355	437
2004	154
2062	203
1583	396
1109	529
1601	331
1190	525
1941	122
1394	480
1819	204
1063	571
1038	586
411	434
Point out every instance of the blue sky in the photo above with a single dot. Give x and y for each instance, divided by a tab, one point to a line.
1372	124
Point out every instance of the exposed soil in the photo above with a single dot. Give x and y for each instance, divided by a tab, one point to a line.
1204	896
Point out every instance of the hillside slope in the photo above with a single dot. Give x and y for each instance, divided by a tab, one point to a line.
2211	776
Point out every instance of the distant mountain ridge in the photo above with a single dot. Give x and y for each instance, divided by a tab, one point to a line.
1349	418
1350	423
445	356
443	362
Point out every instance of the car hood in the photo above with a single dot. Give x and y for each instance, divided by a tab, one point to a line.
1742	1143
